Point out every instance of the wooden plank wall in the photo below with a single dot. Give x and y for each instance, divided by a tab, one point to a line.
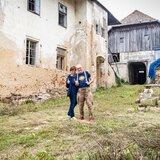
134	38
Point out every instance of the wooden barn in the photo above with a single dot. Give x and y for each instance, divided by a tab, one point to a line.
134	45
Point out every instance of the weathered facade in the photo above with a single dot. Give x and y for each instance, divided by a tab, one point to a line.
41	39
134	45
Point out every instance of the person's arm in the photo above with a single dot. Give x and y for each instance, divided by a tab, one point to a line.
90	78
76	80
67	82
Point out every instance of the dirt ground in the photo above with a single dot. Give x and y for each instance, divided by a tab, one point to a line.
44	132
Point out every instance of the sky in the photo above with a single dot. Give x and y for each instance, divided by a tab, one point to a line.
122	8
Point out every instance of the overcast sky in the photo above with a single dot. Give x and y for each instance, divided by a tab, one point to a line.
122	8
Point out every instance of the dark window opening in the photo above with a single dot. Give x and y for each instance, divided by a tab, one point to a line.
60	59
31	52
122	40
137	73
116	57
97	28
62	15
34	6
103	32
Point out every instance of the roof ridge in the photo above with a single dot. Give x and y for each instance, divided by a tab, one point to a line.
137	11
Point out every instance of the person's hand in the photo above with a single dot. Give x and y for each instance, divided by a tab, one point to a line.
76	83
88	83
68	82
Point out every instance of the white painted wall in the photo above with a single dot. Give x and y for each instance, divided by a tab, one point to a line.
19	24
138	56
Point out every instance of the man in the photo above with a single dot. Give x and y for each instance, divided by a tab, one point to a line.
83	81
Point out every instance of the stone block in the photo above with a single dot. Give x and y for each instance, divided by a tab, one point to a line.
149	102
156	91
158	103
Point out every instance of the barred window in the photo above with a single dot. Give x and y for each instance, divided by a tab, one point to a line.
31	52
62	15
34	6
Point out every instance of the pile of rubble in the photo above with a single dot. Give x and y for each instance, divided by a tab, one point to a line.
150	96
14	98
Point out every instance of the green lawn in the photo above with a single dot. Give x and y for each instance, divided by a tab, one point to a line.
44	132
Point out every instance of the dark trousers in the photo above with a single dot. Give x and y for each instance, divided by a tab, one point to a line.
73	103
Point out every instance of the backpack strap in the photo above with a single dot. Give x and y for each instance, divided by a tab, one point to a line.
85	76
77	76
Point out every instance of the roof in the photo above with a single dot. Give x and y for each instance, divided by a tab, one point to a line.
137	17
132	25
111	19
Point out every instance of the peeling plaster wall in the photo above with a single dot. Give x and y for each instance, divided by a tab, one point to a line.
97	45
20	24
122	70
86	46
17	24
83	45
78	45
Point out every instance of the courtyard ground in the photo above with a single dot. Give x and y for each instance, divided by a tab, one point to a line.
44	132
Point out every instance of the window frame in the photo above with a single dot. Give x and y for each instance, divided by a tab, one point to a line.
63	66
34	12
62	13
27	58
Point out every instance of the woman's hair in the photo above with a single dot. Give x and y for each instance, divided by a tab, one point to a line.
73	68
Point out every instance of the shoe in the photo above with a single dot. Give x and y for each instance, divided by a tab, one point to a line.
90	119
81	118
74	118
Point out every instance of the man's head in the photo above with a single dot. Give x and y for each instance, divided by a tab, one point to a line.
79	68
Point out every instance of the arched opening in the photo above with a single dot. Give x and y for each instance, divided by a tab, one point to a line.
137	72
100	71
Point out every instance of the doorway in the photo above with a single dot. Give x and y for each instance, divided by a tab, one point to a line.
100	71
137	72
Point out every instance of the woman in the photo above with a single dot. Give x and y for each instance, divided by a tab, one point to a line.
72	91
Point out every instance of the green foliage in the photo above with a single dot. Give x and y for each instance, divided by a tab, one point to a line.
44	155
118	80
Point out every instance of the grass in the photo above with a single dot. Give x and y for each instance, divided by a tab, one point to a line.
44	132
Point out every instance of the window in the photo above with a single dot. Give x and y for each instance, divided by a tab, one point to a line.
116	57
97	28
34	6
122	40
62	15
31	52
103	32
60	58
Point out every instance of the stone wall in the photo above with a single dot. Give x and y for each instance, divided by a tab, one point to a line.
31	83
157	80
150	97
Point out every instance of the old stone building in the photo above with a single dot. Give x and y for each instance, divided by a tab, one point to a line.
135	44
41	39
